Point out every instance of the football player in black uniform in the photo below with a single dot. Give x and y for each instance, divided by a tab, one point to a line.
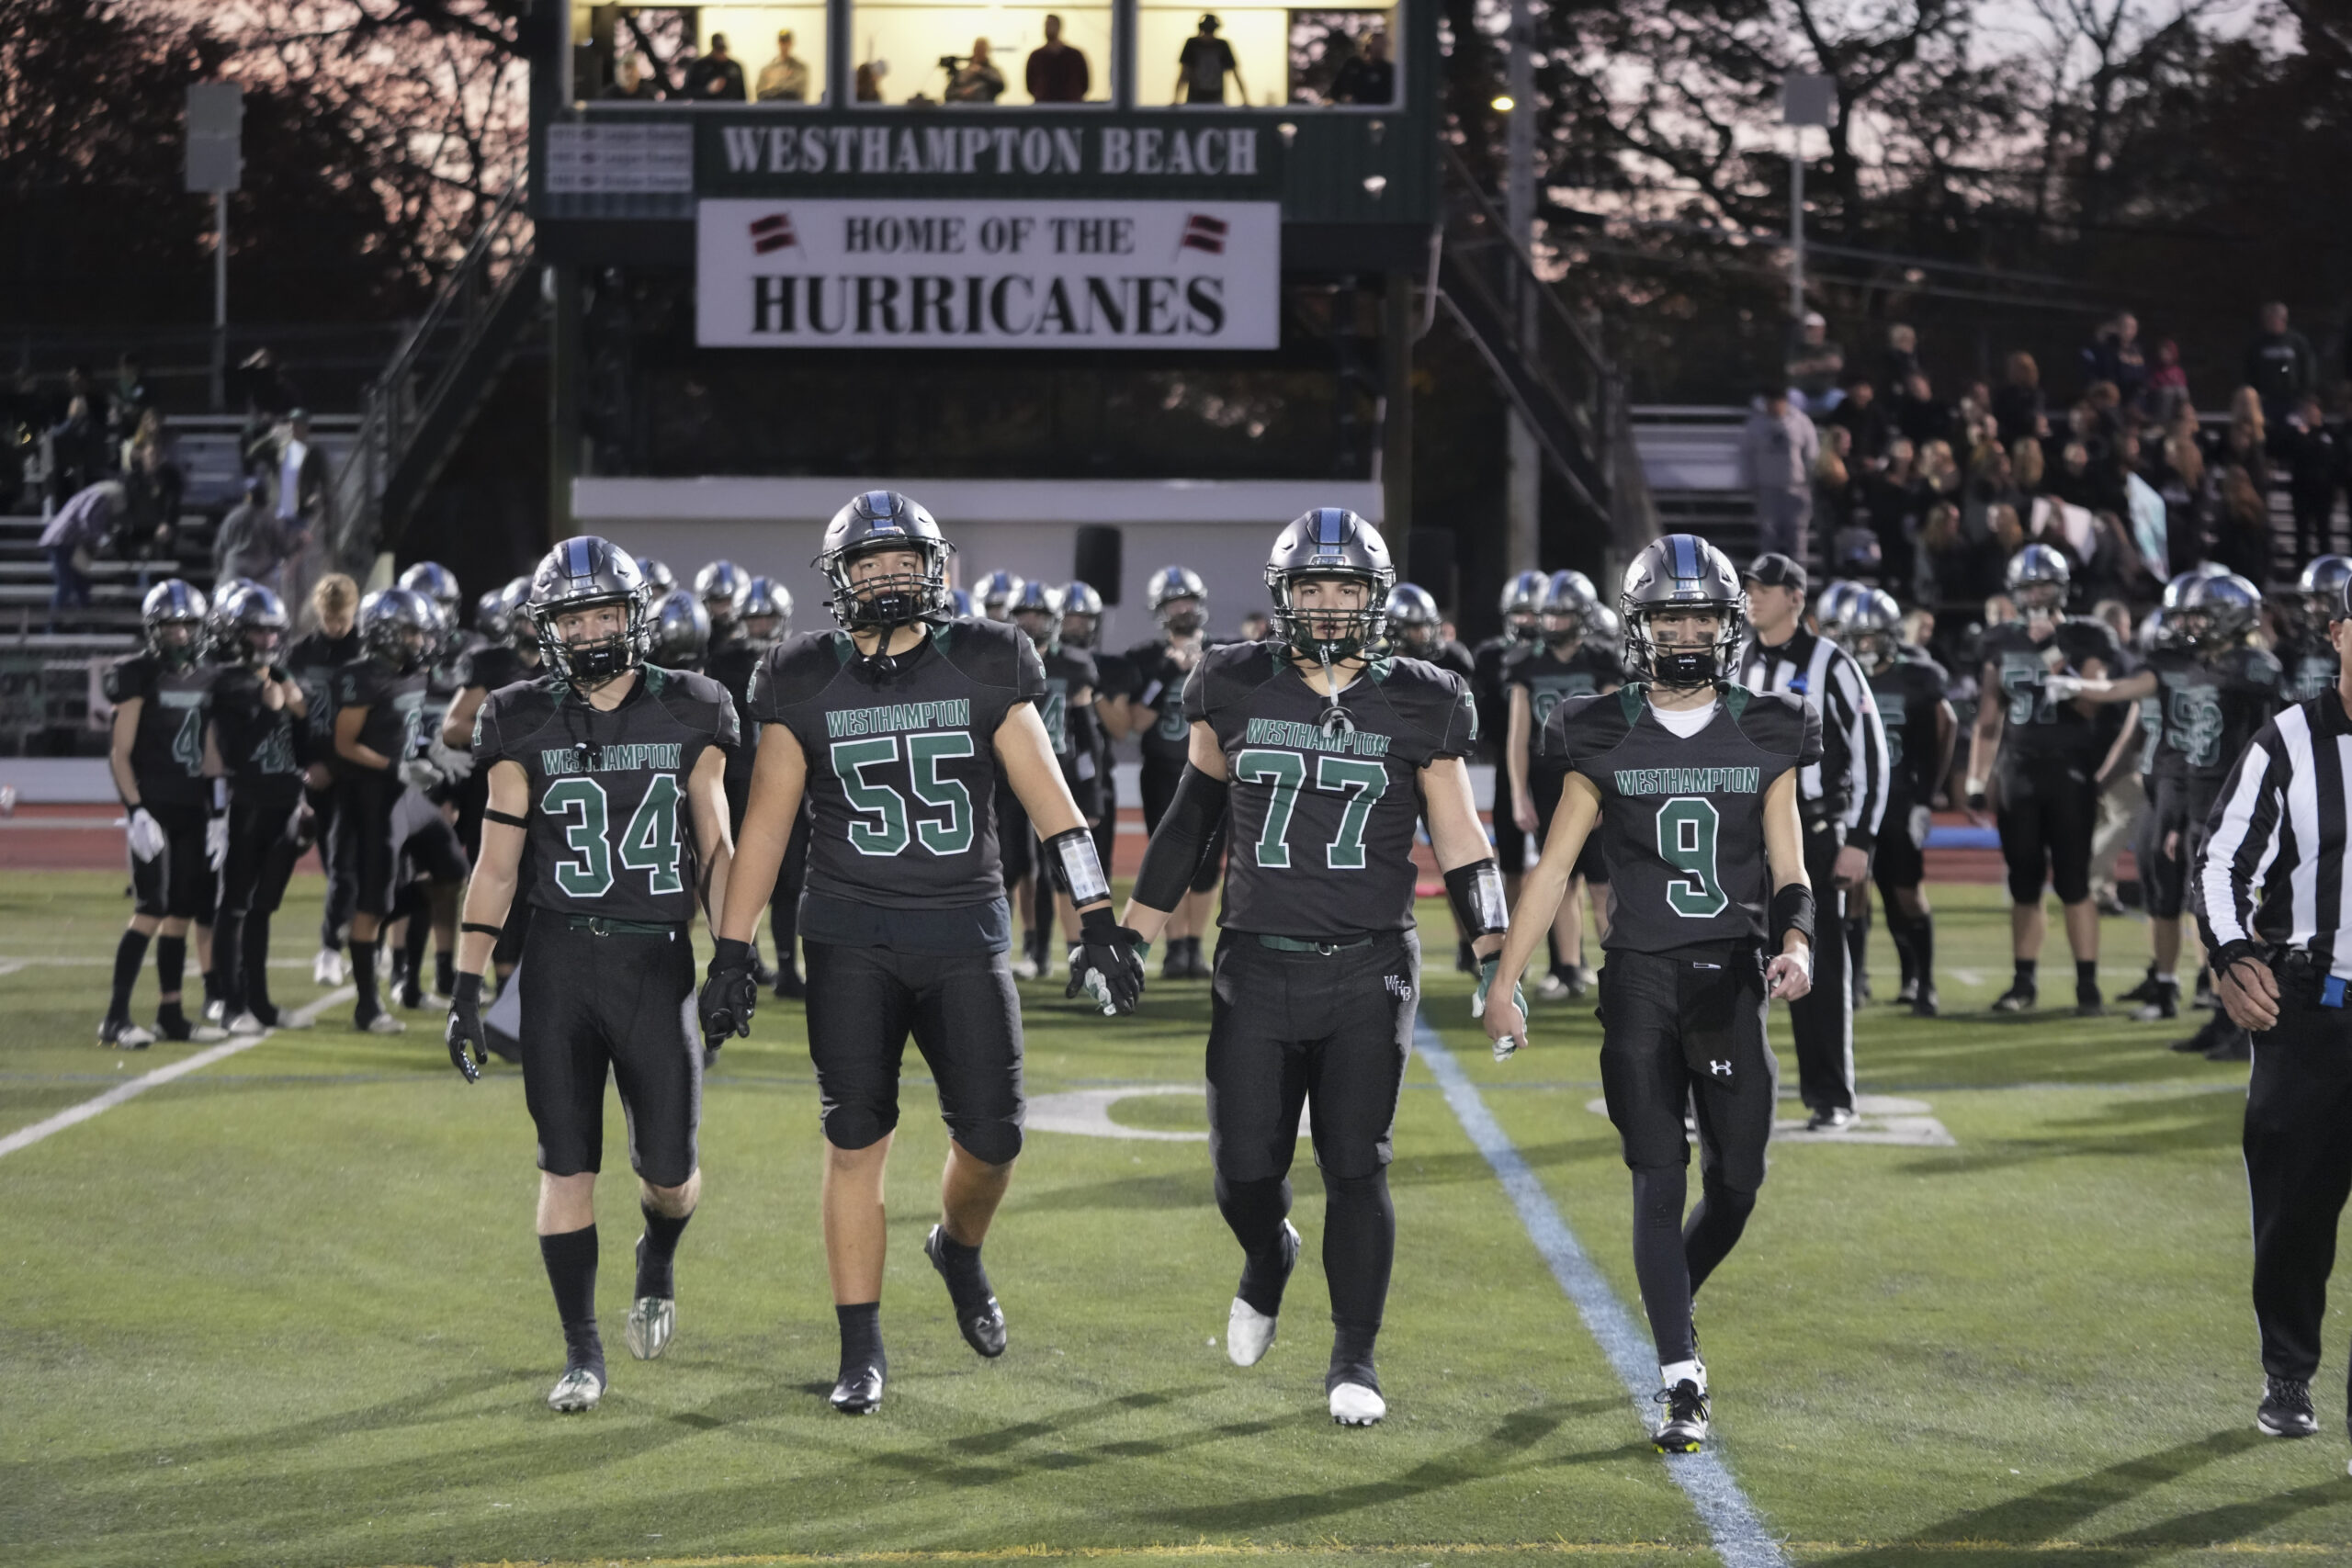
1921	732
2218	690
166	761
1114	692
508	653
1691	781
1562	663
1067	708
611	770
2041	754
762	619
1180	604
332	642
893	730
1416	628
1327	753
258	712
2304	647
678	631
1522	599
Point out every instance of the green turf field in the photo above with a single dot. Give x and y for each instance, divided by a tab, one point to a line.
287	1309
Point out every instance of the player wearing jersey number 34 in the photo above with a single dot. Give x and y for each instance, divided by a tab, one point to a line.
893	730
612	770
1691	783
1326	753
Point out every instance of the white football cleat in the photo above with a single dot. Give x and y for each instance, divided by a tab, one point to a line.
1352	1405
651	1322
385	1024
1249	1334
246	1024
216	1011
328	968
1024	967
578	1389
205	1035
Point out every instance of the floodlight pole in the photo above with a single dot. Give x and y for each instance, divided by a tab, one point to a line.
1797	222
1523	480
219	300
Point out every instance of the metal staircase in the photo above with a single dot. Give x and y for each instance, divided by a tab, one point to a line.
1547	362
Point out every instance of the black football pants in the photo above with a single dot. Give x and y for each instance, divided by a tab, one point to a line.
262	852
965	1016
621	1004
1821	1023
2298	1171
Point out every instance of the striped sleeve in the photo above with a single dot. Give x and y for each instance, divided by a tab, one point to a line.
1857	717
2244	837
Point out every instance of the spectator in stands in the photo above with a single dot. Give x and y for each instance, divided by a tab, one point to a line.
1974	417
1814	364
1917	414
1057	74
633	79
1368	77
302	481
2180	480
976	80
2029	466
1939	477
2245	442
1887	495
1834	491
2315	456
2114	356
267	393
868	85
1992	481
2167	391
253	541
1899	358
81	528
131	399
784	79
2017	407
153	519
1778	447
1201	66
150	461
2242	532
78	454
2110	474
2071	481
2280	365
1863	418
2114	568
717	77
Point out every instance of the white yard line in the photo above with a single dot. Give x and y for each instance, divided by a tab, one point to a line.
72	1115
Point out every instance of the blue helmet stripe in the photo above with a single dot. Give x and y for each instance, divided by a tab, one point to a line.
576	559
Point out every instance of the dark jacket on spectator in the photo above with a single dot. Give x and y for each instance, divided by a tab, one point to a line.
1922	420
2280	367
2018	410
1868	426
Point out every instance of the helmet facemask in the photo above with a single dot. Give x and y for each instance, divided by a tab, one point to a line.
1042	626
1079	629
2041	604
587	662
1182	618
879	601
1683	665
1562	628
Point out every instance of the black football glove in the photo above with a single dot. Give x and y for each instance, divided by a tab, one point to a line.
465	1029
729	993
1105	965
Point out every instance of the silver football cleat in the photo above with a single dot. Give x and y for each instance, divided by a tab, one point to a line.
578	1389
1352	1405
651	1320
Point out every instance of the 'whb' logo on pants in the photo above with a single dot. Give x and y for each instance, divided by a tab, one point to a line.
1399	987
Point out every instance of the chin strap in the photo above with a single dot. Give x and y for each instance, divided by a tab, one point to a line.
1337	720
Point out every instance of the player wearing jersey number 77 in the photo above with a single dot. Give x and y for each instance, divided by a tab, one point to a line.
1691	783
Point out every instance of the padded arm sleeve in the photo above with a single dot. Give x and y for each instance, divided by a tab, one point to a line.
1174	854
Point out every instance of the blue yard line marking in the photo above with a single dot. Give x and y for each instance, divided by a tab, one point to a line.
1731	1519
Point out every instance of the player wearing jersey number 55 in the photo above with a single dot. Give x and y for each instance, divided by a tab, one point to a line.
612	772
893	730
1327	754
1691	781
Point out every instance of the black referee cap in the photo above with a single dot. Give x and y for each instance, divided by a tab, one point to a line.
1773	569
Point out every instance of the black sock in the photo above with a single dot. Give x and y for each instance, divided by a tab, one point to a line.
363	974
2087	974
2026	968
171	968
1351	1345
968	1283
256	969
445	972
784	925
1254	1212
861	1338
1359	1250
229	962
1922	950
130	957
571	1260
420	931
1858	942
1660	1263
1713	1230
657	1253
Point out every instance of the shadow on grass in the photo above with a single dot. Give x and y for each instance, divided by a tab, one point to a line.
2123	1127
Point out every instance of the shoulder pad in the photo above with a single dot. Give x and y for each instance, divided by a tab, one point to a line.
1435	699
701	702
988	651
132	675
1232	669
1775	721
1591	725
795	671
1930	670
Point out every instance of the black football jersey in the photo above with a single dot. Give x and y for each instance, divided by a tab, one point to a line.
394	727
2039	731
167	750
1162	733
2311	666
312	660
1489	662
1550	679
730	664
444	679
901	764
2212	707
1323	823
611	830
1683	820
257	745
494	665
1069	671
1908	692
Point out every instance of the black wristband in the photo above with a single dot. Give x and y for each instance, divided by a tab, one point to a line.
2230	955
1477	893
468	990
1792	911
728	953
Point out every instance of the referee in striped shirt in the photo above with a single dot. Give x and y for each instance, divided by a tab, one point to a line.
1842	797
2273	903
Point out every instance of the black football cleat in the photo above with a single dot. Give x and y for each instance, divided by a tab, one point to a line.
2212	1033
1684	1428
977	1314
2088	1003
2234	1045
2147	989
2203	998
1907	992
1830	1119
2160	1002
789	985
858	1391
2023	996
1925	1005
2286	1410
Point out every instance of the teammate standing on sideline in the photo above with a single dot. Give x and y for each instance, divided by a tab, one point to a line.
1327	754
1691	781
2048	751
1114	689
611	769
893	729
509	652
1067	708
1522	599
1921	732
2306	648
1180	604
258	712
2267	890
165	764
380	708
1563	662
764	619
330	644
1417	630
1842	800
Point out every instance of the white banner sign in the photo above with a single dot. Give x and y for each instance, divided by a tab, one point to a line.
899	274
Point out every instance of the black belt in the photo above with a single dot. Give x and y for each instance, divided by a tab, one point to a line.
602	926
1291	944
2303	977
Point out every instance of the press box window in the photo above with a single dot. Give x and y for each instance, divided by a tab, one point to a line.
771	54
921	51
1263	56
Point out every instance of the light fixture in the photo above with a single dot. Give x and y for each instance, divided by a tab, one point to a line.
1504	102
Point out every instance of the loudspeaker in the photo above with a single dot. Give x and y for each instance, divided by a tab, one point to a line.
1101	550
1429	560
